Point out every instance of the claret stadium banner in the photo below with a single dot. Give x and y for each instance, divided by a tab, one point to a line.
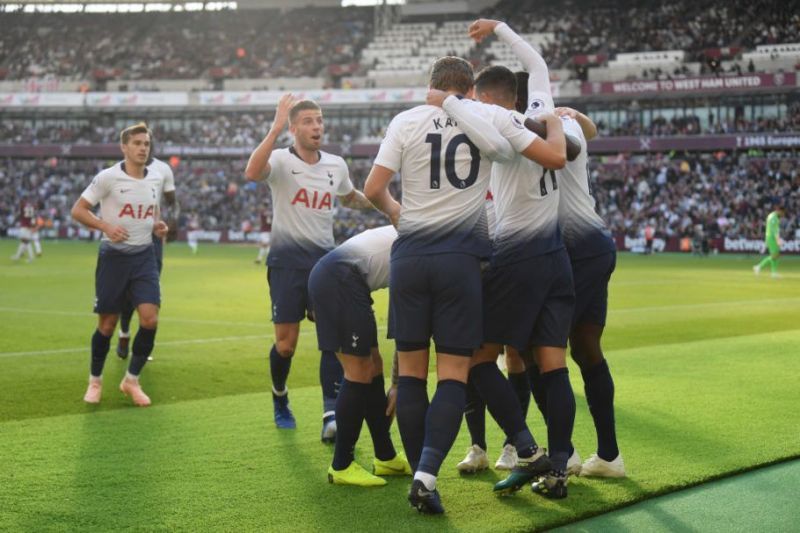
709	84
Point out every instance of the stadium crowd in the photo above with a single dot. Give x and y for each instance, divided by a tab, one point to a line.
730	195
305	42
587	27
246	44
247	129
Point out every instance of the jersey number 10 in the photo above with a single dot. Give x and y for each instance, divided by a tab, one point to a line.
435	140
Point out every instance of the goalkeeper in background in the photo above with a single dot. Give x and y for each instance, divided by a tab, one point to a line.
772	241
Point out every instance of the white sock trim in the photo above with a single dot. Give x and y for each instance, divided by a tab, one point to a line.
124	334
429	480
284	392
328	413
131	377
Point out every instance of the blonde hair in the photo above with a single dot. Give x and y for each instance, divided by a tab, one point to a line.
136	129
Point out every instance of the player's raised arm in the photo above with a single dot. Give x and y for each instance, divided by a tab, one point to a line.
587	125
479	130
258	167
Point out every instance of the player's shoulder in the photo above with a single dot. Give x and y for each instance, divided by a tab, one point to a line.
160	166
331	159
114	171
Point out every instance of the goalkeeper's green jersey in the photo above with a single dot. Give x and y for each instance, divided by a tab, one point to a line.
773	226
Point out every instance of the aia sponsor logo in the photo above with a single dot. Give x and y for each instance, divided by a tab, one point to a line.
138	211
313	200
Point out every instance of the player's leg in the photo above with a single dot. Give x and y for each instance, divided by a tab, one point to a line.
280	363
124	337
520	383
774	254
37	245
350	413
287	289
475	416
549	338
454	281
101	342
591	305
158	251
387	462
112	275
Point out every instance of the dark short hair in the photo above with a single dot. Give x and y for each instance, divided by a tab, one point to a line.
136	129
499	80
451	73
303	105
522	90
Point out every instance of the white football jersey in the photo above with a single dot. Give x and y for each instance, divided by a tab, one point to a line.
444	178
166	171
303	198
128	202
526	206
584	231
369	252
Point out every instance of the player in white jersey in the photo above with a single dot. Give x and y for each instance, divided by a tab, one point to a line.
538	312
592	255
304	182
339	288
519	310
154	167
128	194
442	235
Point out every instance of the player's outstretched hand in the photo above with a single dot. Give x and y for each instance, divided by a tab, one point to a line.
565	112
160	229
285	104
117	233
391	402
482	28
436	97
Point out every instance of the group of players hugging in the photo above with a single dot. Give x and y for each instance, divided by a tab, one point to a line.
494	248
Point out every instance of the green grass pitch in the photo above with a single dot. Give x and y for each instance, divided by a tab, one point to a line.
704	355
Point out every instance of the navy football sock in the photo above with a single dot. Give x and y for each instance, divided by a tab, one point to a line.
377	421
350	409
560	416
126	316
331	375
475	414
442	424
538	390
100	345
521	384
279	368
499	396
412	408
599	388
141	349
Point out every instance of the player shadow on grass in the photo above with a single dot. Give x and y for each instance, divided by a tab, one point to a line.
384	508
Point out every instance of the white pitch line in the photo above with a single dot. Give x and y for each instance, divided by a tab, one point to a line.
158	345
164	318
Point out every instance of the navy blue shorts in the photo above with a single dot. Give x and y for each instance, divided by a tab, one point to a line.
288	291
436	296
591	288
119	277
343	313
529	303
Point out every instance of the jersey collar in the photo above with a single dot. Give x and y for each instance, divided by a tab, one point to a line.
126	172
293	151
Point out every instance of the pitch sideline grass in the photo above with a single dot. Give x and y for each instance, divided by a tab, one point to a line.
702	354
